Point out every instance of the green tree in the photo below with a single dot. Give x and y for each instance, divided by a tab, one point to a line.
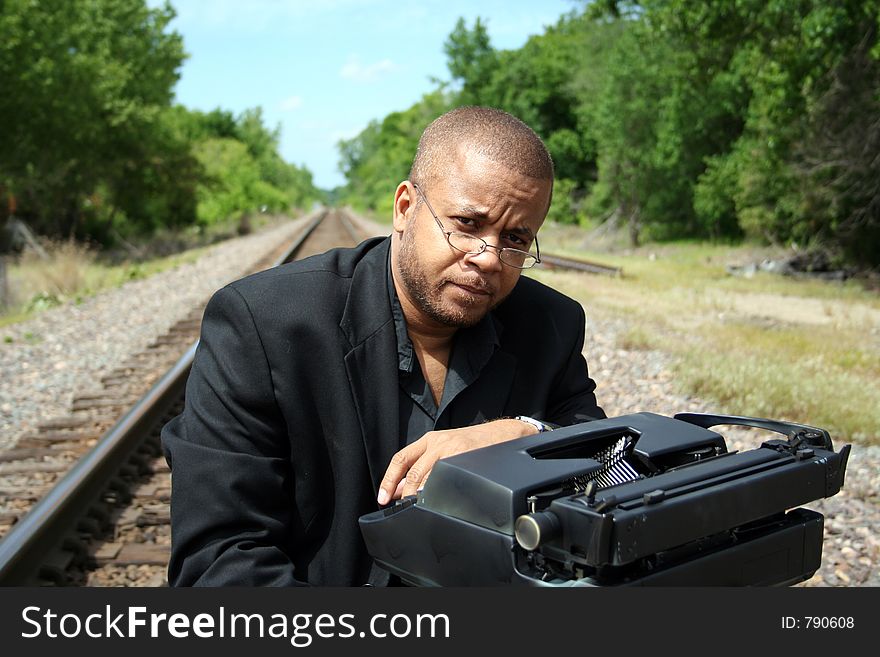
232	178
471	60
539	84
788	166
836	164
84	85
643	122
154	186
378	158
243	171
681	117
262	144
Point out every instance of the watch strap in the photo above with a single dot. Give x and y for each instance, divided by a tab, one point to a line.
540	426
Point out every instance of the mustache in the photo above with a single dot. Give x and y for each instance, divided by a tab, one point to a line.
479	284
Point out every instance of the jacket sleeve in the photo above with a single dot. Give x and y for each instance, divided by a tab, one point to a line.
574	399
230	461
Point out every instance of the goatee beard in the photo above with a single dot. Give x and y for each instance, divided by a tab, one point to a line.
427	297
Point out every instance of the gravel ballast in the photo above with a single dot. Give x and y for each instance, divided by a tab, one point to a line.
65	350
62	351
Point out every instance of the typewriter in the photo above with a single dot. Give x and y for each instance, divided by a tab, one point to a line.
636	500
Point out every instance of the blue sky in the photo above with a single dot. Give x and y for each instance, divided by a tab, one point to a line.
323	70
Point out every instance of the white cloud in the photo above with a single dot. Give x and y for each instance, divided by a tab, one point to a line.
354	69
344	134
290	104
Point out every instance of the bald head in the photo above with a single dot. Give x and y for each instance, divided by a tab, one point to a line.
491	132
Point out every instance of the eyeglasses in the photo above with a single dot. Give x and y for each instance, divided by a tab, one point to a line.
473	245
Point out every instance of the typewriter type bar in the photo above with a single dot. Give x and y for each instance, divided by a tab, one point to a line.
640	499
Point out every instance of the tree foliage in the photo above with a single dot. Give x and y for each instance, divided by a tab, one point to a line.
381	155
681	118
91	142
242	170
471	59
84	84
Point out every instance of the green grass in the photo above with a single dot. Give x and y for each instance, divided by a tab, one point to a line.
768	346
13	317
636	338
39	285
764	384
698	265
73	272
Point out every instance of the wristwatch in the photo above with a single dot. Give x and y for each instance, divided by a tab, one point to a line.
540	426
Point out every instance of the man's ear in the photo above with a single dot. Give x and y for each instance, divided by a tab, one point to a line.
404	201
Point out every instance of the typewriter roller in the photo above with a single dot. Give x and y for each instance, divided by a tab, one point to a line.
640	499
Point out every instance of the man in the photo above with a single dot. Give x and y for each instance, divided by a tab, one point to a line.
328	387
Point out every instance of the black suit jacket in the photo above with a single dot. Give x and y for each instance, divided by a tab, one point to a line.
291	414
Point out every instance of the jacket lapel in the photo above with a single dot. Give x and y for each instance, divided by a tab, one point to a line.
371	363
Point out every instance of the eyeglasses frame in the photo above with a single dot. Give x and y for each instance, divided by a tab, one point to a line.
486	245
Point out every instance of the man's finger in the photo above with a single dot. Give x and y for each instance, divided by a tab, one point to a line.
417	475
398	492
397	469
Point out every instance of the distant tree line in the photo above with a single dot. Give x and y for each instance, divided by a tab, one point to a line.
679	118
91	144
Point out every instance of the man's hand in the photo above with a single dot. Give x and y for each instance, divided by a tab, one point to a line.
411	466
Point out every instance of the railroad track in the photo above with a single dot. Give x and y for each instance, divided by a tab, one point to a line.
84	499
551	261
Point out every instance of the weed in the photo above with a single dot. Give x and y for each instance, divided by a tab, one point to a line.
767	346
42	301
635	339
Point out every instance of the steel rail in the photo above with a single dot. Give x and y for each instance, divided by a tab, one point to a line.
32	539
550	261
345	219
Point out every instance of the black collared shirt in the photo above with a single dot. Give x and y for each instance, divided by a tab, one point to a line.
472	348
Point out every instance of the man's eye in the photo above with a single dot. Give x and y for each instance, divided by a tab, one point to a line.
465	221
515	240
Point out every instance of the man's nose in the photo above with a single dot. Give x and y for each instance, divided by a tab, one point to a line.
488	260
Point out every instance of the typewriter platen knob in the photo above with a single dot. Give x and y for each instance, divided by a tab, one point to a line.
532	529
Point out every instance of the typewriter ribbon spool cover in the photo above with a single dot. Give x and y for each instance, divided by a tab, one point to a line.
636	500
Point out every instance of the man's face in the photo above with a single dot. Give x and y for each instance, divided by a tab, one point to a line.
476	196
